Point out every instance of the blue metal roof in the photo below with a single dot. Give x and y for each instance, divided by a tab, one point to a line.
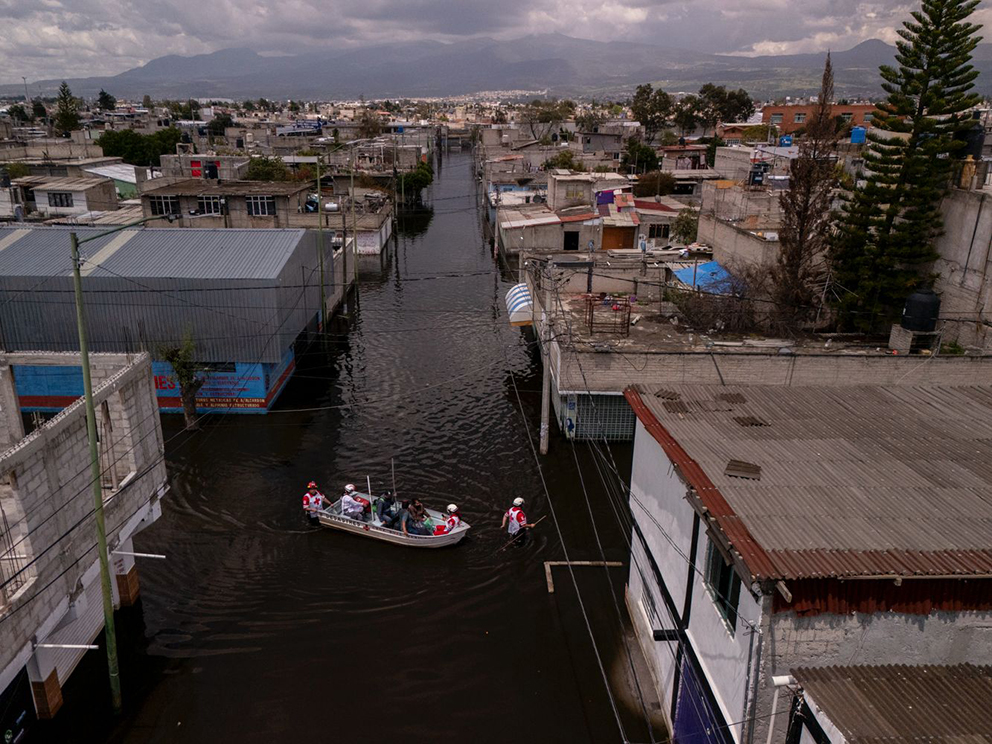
167	253
709	276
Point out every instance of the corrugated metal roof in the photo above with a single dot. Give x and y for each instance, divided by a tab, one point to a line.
44	183
190	253
116	171
904	704
855	481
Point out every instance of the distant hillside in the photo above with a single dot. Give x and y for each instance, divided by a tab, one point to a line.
561	64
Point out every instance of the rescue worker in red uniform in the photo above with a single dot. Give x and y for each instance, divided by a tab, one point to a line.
454	519
515	522
313	501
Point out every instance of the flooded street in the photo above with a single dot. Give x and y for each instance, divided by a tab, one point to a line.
260	628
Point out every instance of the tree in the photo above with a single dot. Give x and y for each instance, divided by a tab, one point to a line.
219	124
652	109
146	101
589	121
18	170
105	101
805	230
686	226
412	183
563	159
187	372
717	104
639	158
18	113
370	125
654	183
248	105
264	168
544	117
885	237
66	111
38	110
294	107
686	115
759	133
140	149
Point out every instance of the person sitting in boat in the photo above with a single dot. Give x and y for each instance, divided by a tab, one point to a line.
350	505
313	501
421	518
454	519
409	522
386	511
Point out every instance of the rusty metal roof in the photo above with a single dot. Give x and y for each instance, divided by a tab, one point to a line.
903	704
854	481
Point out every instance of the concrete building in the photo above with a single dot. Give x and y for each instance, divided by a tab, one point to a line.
190	165
219	203
61	197
777	529
248	298
898	704
790	118
50	591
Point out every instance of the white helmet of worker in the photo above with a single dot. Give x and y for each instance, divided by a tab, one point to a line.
518	501
452	508
349	488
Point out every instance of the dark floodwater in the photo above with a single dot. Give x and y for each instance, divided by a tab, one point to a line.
259	628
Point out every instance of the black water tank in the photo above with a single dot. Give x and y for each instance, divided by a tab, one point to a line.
921	311
974	141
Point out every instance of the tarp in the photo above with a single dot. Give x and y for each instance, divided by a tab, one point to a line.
709	276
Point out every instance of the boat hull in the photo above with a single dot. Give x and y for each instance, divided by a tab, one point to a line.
374	530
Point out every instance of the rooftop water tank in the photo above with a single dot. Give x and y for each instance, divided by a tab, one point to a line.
921	311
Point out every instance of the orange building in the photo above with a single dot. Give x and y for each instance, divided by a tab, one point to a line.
789	118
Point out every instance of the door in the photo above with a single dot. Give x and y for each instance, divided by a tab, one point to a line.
571	241
616	238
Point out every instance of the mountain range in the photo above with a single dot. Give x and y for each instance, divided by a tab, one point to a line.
560	64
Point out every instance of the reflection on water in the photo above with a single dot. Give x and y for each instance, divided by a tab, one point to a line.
261	628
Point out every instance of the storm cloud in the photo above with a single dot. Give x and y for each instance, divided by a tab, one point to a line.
78	38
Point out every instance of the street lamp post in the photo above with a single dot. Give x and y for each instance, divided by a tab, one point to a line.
95	475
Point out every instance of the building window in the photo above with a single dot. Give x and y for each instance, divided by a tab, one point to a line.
776	119
573	191
724	585
867	118
847	117
208	205
59	199
162	205
261	206
799	118
659	231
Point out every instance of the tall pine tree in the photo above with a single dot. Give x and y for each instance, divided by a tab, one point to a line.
66	111
885	239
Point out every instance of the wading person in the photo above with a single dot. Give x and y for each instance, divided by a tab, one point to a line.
313	502
515	522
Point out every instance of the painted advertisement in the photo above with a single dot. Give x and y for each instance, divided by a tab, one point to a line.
237	387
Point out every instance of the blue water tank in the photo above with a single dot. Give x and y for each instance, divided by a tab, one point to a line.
858	135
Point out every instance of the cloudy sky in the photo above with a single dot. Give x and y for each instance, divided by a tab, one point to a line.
76	38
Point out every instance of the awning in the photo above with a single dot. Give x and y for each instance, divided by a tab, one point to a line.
519	306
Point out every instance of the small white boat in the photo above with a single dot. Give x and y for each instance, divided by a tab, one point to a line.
372	527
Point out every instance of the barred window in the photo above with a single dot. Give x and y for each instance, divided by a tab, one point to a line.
59	199
659	231
261	206
208	204
163	205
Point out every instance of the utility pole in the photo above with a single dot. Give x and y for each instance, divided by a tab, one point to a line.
101	527
95	475
320	245
25	91
546	360
354	224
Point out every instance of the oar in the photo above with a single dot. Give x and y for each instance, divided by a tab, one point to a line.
515	537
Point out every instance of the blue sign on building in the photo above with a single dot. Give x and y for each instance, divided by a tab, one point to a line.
785	140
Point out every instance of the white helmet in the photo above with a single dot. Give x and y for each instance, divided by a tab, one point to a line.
518	501
349	488
452	508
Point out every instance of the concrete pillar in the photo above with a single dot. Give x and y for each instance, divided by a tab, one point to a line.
45	685
11	426
125	575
